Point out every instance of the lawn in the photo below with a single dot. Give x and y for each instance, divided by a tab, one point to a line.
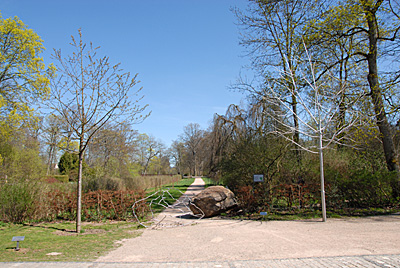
58	242
210	182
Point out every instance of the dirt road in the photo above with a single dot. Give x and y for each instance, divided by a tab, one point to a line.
223	240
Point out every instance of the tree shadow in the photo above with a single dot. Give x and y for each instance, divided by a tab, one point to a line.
50	227
187	216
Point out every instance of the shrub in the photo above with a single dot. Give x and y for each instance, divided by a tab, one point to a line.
69	165
57	178
21	201
68	162
279	197
20	163
246	199
28	201
363	188
97	205
105	183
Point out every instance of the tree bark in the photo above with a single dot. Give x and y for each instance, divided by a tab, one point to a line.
377	98
296	136
79	191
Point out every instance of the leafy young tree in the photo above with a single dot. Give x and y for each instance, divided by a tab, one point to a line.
87	93
159	165
24	78
68	162
148	148
21	157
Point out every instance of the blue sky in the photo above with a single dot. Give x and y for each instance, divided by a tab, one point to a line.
186	52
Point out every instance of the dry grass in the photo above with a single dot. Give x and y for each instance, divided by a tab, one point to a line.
153	182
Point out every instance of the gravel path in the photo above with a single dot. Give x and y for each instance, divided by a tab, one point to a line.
366	261
352	242
179	214
234	240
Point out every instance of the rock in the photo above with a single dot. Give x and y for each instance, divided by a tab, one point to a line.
212	201
54	253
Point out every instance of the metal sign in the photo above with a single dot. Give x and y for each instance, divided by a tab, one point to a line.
17	239
258	178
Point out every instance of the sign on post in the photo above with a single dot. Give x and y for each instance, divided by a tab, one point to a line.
258	178
17	239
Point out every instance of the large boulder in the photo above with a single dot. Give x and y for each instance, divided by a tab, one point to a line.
212	201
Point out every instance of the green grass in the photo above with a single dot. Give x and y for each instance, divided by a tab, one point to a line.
280	215
175	191
303	214
95	240
300	215
363	212
210	182
44	238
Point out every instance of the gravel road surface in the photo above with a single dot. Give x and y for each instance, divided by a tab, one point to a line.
234	240
176	240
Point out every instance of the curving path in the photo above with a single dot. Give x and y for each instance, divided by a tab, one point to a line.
179	213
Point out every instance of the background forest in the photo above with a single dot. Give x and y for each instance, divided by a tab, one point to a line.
322	104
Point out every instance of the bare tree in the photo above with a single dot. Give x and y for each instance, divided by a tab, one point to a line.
192	135
318	115
178	154
89	91
111	147
51	132
270	32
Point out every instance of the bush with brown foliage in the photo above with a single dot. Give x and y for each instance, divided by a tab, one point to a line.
283	196
96	205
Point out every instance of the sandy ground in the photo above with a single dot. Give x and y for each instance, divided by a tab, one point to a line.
219	240
179	214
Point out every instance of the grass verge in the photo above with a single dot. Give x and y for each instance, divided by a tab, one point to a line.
303	214
169	193
58	242
210	182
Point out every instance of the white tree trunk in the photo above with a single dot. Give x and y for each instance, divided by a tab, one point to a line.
321	169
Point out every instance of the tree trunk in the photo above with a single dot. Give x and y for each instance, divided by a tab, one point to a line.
293	103
194	164
296	136
341	119
377	98
341	122
50	163
79	193
321	169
